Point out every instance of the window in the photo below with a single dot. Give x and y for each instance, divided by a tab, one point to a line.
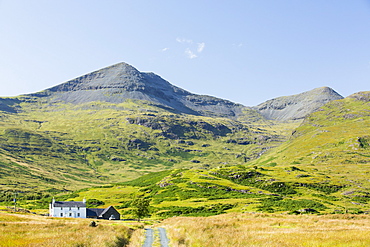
61	214
78	208
70	209
78	214
70	214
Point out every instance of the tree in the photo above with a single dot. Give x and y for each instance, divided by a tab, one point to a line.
94	203
141	207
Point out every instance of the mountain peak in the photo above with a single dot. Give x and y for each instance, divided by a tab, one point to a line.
114	76
324	90
121	81
122	66
297	106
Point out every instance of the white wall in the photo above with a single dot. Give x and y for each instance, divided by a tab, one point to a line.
68	212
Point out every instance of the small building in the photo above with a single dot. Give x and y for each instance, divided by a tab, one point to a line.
109	213
72	209
69	209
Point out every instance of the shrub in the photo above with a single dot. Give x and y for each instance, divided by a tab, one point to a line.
90	203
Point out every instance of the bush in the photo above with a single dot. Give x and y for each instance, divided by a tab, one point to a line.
208	210
92	203
274	204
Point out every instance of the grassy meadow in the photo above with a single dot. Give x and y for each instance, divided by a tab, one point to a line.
232	229
269	230
32	230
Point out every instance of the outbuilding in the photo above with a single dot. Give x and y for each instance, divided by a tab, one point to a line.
109	213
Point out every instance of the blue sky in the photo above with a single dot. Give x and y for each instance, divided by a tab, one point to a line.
246	51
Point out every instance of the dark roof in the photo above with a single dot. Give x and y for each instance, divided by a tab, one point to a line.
94	212
106	210
98	212
69	204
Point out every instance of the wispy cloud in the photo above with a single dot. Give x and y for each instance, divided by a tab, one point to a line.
182	40
201	47
238	45
190	54
165	49
193	49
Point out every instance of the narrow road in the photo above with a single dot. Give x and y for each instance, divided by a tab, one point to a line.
163	237
149	238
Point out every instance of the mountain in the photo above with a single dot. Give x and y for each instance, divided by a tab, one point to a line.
331	148
336	134
116	124
119	82
297	106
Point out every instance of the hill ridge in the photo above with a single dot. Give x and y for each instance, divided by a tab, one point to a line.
298	106
119	82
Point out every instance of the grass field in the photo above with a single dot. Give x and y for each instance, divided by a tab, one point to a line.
266	230
32	230
233	229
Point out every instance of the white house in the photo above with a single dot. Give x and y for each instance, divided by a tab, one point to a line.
68	209
73	209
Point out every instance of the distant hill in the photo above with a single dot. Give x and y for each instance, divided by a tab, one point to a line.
297	106
331	146
336	134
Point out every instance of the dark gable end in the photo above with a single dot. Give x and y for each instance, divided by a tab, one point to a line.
101	213
110	213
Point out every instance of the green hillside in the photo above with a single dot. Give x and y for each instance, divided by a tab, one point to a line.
331	147
323	168
205	192
65	146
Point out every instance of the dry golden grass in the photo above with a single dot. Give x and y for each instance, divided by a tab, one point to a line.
137	238
269	230
28	230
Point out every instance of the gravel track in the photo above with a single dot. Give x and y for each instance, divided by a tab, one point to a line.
149	238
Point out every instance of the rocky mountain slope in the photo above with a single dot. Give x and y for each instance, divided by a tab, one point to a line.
298	106
116	83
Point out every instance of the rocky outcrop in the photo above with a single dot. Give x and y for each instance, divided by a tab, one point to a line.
7	105
361	96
